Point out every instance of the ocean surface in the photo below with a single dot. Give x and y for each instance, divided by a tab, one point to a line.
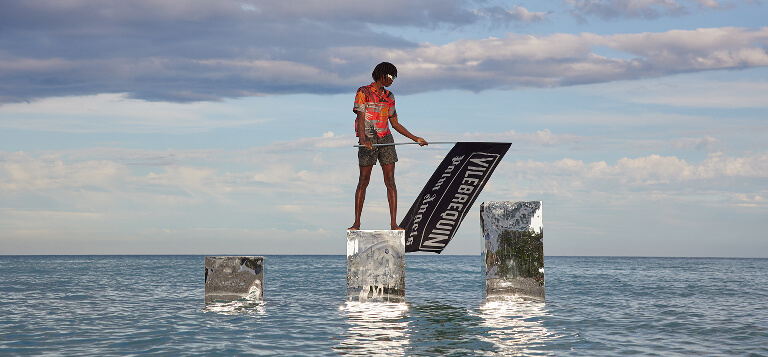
595	306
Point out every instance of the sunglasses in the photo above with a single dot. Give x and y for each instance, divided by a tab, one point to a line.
391	77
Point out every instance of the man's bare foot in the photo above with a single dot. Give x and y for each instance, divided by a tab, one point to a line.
354	228
397	228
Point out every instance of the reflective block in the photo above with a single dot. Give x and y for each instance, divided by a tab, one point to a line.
376	266
513	248
234	278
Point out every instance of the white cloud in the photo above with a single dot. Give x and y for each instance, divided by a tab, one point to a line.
79	14
563	59
148	49
516	13
275	197
543	137
646	9
293	171
643	172
22	172
703	48
291	182
701	144
693	93
119	113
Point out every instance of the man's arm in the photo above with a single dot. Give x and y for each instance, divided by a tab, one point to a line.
402	130
361	130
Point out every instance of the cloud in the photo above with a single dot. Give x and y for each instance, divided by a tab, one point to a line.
22	172
98	178
286	180
564	59
266	198
190	51
645	9
543	137
700	144
670	175
82	14
119	113
693	93
516	13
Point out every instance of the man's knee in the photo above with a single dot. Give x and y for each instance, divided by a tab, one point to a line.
365	177
389	181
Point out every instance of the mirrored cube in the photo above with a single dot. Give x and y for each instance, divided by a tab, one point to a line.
233	278
376	266
513	249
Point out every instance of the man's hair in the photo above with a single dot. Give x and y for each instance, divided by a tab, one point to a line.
382	69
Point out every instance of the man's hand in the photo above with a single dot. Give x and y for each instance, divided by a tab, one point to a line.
421	141
367	143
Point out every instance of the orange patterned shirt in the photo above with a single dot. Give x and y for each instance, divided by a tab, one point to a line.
378	107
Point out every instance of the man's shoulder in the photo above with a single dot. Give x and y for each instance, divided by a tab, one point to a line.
365	91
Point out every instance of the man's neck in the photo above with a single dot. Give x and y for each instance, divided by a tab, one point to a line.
378	86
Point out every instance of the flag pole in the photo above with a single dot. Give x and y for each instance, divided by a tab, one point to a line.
413	143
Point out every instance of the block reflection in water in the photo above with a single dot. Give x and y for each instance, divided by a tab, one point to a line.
513	248
234	278
375	329
376	266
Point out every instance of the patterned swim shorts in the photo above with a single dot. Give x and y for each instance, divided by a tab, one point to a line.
385	154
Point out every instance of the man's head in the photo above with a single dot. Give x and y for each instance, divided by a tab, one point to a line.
383	69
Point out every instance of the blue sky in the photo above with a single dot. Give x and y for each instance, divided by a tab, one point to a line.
225	127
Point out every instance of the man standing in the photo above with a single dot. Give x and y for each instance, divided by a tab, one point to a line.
375	109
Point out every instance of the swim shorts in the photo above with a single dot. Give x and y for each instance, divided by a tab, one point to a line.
384	154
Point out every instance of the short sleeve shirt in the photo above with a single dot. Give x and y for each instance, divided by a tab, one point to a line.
378	107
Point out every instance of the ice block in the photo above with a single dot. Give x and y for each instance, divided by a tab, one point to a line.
232	278
376	266
513	251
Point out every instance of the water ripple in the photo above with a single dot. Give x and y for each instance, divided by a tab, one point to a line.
127	305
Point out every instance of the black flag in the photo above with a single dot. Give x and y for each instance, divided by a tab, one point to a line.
448	195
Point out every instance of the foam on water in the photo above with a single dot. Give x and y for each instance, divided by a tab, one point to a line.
236	307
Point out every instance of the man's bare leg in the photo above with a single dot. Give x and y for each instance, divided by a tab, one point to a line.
362	185
389	181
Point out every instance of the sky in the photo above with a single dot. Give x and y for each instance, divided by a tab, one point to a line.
225	127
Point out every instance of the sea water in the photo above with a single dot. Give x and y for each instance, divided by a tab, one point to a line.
595	306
